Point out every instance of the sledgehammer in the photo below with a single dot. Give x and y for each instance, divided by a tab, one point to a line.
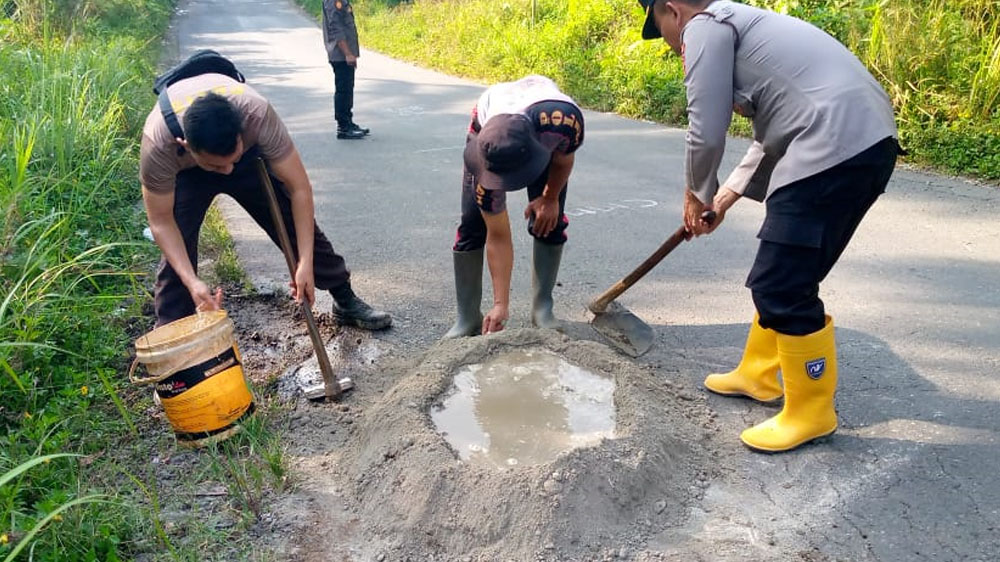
331	388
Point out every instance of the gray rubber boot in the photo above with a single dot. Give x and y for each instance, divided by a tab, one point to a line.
468	294
544	269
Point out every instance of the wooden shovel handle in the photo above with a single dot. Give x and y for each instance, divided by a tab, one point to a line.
330	383
600	304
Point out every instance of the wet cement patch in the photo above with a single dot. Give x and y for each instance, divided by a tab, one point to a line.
398	490
350	351
523	408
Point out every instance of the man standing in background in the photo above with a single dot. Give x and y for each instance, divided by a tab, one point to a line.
340	36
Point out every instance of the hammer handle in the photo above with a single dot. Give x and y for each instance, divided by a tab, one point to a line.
330	383
599	304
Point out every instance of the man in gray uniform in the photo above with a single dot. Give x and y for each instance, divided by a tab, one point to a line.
340	36
824	149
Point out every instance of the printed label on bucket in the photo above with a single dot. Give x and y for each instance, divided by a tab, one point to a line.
206	397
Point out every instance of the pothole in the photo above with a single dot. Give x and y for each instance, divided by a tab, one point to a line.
525	407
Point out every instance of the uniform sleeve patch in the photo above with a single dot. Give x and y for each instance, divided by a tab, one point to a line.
559	124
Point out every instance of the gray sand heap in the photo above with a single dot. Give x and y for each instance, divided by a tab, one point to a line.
416	498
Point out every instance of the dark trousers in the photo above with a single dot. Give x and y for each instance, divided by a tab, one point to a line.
195	189
471	234
807	226
343	93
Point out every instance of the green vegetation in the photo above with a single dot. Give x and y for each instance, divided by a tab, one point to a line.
215	241
70	250
77	481
76	477
939	60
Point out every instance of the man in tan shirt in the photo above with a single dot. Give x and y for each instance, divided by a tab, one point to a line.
227	126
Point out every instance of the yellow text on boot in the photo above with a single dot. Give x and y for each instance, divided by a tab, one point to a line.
757	374
809	372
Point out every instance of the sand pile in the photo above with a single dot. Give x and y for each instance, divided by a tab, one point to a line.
412	498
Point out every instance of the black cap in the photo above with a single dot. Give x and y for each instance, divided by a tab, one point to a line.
649	29
506	154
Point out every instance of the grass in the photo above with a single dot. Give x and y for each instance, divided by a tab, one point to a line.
939	60
70	263
252	464
76	442
216	242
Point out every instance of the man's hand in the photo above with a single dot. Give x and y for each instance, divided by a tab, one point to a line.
546	213
496	319
304	284
693	209
351	60
724	199
203	298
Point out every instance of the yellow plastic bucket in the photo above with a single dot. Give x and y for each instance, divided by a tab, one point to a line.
195	366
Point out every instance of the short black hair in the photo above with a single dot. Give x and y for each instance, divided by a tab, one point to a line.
212	125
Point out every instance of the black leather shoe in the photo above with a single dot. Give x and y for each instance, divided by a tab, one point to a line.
350	310
349	134
357	127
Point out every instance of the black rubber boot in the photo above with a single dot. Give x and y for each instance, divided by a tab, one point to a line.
357	127
544	269
468	294
349	310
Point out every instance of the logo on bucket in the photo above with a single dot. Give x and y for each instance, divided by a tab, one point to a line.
816	368
190	377
170	387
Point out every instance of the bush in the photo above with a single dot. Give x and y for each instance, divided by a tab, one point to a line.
938	60
76	78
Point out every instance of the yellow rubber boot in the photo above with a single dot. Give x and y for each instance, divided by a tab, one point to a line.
757	374
809	371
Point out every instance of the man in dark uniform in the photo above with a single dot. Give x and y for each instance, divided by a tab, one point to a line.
340	36
226	125
523	133
824	149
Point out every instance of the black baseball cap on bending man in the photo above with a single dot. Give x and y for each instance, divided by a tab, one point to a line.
649	29
506	154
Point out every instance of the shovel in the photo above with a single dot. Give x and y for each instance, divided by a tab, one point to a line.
624	330
331	388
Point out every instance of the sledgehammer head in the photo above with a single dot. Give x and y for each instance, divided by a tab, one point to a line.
320	392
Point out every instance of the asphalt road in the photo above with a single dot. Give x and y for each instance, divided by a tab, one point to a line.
912	472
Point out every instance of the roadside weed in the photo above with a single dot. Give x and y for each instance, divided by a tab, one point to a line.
939	60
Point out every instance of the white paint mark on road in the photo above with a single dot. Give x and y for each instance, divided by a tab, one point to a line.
624	204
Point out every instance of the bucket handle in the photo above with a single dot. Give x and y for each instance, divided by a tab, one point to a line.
145	380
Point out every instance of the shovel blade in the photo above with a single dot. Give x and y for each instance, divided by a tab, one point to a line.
624	330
